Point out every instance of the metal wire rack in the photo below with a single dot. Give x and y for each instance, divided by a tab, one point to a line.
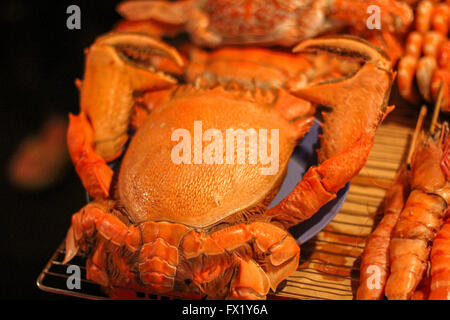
54	276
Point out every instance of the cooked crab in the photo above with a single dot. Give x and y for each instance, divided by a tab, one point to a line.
203	228
282	22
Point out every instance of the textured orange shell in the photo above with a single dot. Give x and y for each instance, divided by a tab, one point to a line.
153	187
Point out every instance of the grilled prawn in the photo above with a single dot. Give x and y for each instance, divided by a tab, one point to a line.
420	219
375	258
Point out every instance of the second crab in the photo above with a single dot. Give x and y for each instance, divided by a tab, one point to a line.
204	230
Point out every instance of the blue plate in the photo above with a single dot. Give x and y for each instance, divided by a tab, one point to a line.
303	157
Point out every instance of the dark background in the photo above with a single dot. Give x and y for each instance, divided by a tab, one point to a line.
40	59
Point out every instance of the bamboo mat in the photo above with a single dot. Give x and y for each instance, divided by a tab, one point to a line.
329	263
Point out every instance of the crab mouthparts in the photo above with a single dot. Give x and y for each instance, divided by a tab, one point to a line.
142	57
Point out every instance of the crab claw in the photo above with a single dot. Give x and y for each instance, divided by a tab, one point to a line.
358	104
347	46
117	66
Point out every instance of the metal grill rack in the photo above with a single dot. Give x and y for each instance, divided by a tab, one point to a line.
329	266
54	278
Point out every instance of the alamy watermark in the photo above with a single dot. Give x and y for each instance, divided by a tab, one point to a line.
74	280
374	280
239	147
73	21
374	20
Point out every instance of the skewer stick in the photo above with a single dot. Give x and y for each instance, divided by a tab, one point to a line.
437	107
412	146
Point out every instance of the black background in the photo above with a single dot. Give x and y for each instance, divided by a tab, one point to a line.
40	59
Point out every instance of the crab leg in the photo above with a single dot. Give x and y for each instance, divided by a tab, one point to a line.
95	174
165	256
358	106
250	282
320	184
150	248
278	250
94	226
93	217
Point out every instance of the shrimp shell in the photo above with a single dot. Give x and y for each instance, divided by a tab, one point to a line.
441	18
431	43
406	74
414	44
423	17
425	71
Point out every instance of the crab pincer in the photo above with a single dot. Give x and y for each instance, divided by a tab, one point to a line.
358	104
118	66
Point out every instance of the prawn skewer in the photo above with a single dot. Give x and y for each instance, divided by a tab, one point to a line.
375	258
420	219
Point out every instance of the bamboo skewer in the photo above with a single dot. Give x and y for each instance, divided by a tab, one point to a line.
422	114
437	107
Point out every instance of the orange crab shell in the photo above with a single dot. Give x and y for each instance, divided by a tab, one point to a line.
153	187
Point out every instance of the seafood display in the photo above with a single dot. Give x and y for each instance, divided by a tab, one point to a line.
190	112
